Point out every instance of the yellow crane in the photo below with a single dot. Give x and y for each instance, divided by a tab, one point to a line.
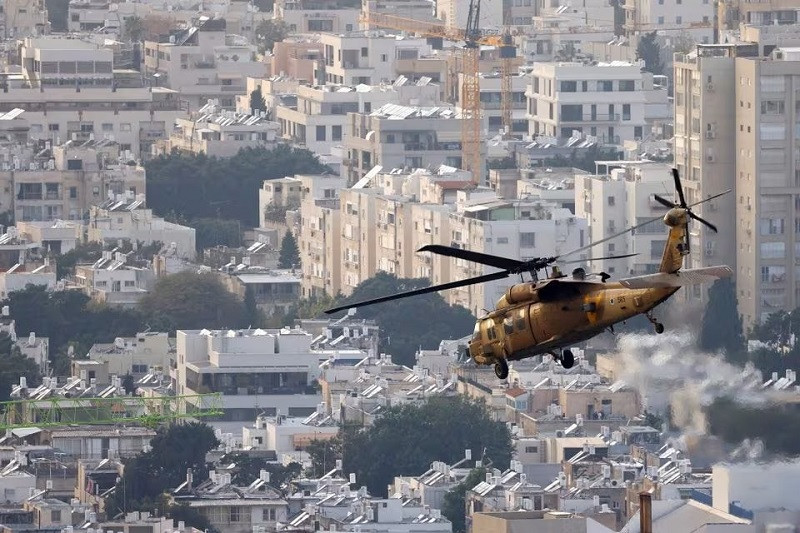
470	97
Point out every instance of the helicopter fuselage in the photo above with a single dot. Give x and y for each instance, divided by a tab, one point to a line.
540	317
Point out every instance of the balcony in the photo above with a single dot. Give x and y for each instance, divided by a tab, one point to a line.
433	146
597	117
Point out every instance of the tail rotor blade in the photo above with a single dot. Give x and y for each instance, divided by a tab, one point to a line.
663	201
711	226
678	187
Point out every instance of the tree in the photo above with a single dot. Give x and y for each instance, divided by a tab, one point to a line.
323	454
412	323
683	43
255	318
406	439
134	29
13	365
290	254
128	384
257	102
269	32
721	329
649	50
774	424
454	505
195	186
210	232
174	450
82	253
583	159
188	300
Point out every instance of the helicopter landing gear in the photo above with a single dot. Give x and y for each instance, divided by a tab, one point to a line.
501	369
657	326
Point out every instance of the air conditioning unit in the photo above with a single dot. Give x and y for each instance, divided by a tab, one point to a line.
711	134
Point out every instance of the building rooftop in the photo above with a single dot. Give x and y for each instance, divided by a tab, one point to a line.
401	112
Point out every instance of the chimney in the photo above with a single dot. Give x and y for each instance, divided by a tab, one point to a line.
645	512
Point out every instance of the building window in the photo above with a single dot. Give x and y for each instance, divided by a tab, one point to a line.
569	86
611	201
268	515
605	86
73	193
661	20
236	514
107	126
527	240
320	133
531	449
627	85
502	240
336	133
125	126
364	52
52	127
55	515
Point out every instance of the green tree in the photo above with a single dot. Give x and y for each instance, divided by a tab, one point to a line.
269	32
190	187
188	300
583	159
323	454
13	365
255	318
174	450
289	256
257	102
454	505
83	253
406	439
649	50
774	424
134	29
210	232
412	323
721	329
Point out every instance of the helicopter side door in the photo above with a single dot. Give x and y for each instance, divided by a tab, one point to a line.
517	330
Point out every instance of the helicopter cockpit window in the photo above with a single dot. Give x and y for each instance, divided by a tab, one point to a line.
520	320
477	333
490	332
508	325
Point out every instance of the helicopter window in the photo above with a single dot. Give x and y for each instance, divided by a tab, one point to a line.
521	320
477	333
508	325
490	331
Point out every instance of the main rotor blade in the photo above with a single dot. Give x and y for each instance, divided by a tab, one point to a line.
425	290
614	236
476	257
663	201
678	186
723	193
703	221
596	259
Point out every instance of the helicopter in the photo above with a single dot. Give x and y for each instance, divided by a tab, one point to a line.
546	316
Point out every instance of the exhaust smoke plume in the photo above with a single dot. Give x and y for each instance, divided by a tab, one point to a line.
669	370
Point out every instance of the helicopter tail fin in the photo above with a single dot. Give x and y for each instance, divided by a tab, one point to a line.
674	250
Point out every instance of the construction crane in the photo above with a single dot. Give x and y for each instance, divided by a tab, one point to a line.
470	97
148	411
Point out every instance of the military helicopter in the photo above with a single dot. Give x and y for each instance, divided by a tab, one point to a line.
546	316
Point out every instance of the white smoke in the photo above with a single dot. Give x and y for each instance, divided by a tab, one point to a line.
669	370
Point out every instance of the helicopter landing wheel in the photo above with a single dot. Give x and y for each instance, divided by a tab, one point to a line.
567	359
501	369
659	327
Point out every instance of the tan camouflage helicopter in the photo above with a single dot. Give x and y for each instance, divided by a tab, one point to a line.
546	316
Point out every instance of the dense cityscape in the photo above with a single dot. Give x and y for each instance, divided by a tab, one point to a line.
187	187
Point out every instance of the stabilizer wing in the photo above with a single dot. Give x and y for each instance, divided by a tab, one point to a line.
691	276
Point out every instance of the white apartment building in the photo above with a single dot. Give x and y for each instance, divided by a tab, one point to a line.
313	16
621	198
256	371
135	355
367	57
318	119
203	63
24	18
22	263
491	14
705	148
219	133
410	9
671	18
767	184
63	182
284	434
491	102
319	236
58	237
397	136
609	101
54	61
111	281
127	218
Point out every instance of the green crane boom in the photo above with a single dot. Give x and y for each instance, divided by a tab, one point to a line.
145	410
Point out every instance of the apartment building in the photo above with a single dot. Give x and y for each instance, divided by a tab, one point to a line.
608	100
492	14
134	355
367	57
491	102
24	18
775	13
63	182
298	58
274	291
410	9
670	18
319	237
203	63
256	371
705	148
624	197
312	16
126	218
767	184
318	118
54	61
112	281
396	136
219	133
